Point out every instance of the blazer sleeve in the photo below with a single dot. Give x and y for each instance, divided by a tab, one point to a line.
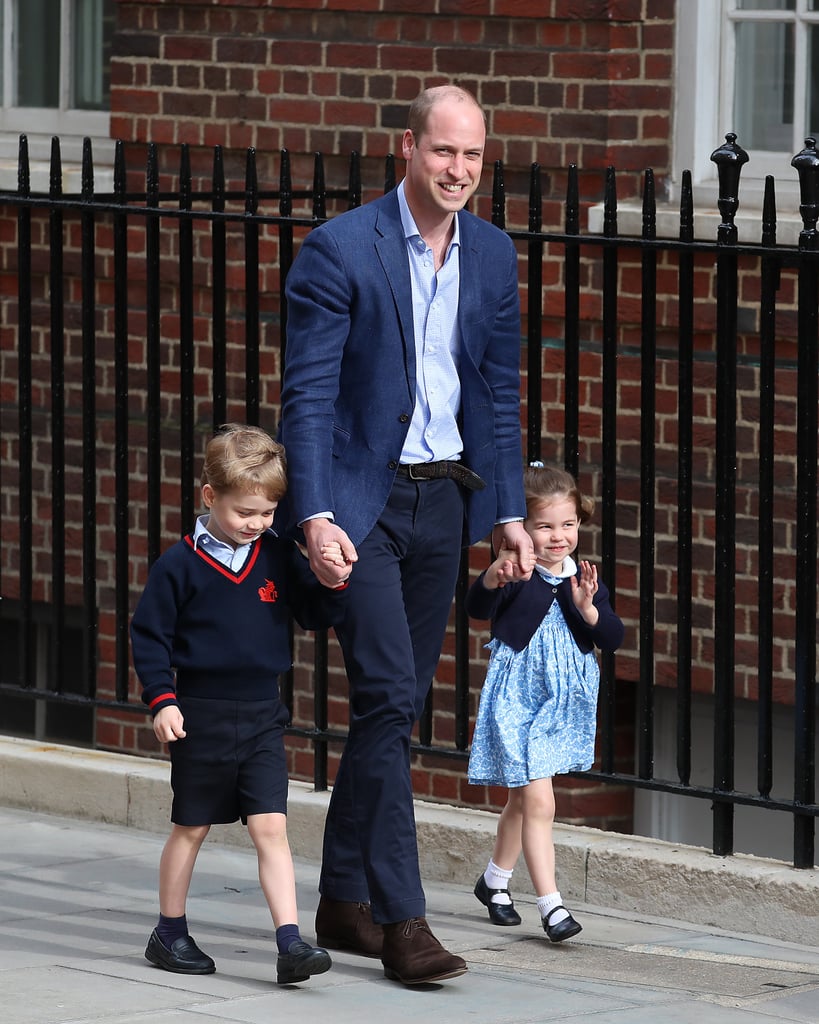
501	369
318	310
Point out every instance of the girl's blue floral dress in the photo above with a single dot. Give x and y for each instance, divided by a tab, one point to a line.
538	709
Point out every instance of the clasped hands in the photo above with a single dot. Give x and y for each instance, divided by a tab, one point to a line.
515	555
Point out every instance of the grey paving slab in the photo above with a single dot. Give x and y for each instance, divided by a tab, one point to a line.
78	900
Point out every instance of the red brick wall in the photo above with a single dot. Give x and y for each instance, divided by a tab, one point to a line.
563	81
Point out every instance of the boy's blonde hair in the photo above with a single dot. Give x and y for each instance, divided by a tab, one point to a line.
543	484
246	459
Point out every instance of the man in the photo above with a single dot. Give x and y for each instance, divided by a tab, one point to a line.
400	418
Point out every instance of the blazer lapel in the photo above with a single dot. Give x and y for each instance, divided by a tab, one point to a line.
391	247
469	299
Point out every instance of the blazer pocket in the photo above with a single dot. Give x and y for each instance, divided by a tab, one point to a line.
341	438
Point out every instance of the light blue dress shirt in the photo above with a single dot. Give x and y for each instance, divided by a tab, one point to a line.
226	554
433	433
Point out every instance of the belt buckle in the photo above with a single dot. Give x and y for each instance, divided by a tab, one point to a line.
411	470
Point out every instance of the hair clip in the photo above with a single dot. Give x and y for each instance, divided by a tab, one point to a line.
537	464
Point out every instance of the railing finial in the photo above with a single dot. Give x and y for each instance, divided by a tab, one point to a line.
806	163
729	159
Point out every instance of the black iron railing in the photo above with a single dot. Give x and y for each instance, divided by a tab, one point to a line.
178	244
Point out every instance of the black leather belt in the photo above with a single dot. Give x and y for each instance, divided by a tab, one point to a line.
442	471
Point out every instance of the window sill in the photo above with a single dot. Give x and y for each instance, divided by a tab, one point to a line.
706	222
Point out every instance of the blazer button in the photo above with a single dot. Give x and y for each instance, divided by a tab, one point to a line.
392	464
403	418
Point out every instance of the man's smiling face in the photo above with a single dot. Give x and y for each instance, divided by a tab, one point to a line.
444	163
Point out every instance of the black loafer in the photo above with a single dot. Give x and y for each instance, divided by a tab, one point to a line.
300	961
184	956
499	913
564	929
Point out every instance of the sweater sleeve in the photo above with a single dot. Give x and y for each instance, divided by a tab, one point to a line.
484	603
314	606
153	628
609	632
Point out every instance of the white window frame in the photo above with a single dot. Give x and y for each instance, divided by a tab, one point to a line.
40	124
704	63
704	58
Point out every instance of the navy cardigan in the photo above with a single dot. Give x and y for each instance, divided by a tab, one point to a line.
517	609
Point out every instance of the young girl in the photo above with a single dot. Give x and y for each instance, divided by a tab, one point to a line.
538	707
210	637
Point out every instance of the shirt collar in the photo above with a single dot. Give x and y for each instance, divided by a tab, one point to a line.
203	534
408	221
568	569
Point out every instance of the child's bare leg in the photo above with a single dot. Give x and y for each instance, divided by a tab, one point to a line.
539	853
170	946
297	960
492	888
176	867
276	874
538	815
508	841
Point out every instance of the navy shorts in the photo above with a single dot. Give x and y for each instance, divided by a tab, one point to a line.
231	762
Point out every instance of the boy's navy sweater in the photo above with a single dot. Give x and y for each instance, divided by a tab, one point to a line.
203	630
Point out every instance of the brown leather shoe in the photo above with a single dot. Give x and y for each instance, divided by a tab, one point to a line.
348	926
413	956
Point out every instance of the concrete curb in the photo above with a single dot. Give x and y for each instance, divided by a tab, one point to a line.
628	874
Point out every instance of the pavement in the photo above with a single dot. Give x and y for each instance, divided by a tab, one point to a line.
78	902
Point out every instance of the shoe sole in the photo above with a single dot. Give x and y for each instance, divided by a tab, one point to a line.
395	976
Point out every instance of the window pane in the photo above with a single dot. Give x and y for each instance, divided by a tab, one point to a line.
766	5
763	96
93	27
38	53
813	82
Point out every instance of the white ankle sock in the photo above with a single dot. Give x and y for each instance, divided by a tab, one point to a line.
549	902
497	878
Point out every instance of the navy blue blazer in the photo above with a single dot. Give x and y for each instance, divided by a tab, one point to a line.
517	609
348	390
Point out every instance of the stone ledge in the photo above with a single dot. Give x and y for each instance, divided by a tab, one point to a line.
629	874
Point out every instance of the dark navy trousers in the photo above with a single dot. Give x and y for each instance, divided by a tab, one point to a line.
399	601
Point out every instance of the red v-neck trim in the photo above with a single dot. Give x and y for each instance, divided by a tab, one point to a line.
223	569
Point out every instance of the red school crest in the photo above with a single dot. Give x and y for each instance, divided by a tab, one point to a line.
268	592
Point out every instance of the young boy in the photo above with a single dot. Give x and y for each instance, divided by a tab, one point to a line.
210	636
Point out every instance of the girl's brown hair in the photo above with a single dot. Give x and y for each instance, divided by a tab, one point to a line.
246	459
543	484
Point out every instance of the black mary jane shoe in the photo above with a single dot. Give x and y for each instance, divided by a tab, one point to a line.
564	929
183	957
499	913
300	962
